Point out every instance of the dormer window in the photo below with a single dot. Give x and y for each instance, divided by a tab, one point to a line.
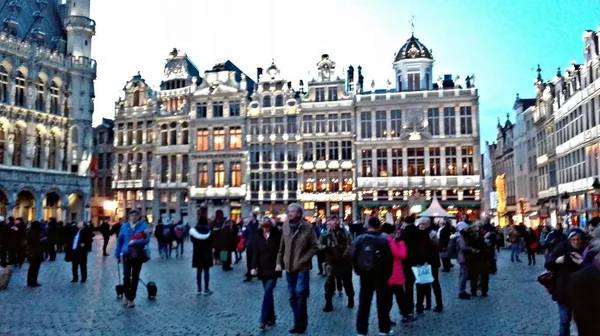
332	94
266	101
136	98
319	94
414	82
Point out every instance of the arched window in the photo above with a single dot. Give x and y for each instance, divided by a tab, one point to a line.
279	100
136	98
54	99
173	134
4	98
2	143
266	101
40	101
52	152
185	134
75	135
18	149
163	135
37	150
20	96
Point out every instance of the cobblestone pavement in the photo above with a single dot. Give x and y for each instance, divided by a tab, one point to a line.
517	305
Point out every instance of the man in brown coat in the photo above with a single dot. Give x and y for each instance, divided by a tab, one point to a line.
298	246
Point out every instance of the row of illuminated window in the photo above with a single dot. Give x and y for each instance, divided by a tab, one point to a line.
389	124
273	181
580	119
217	175
45	149
138	195
47	99
218	139
330	123
218	109
328	181
450	194
384	163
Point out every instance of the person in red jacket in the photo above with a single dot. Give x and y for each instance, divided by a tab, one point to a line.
397	280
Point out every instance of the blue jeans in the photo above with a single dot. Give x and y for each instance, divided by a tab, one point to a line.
515	250
463	278
267	313
298	289
565	316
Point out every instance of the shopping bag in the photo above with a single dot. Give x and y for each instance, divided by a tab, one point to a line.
224	256
422	274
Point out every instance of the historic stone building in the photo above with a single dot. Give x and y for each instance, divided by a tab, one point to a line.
272	140
103	204
327	162
416	138
46	106
219	159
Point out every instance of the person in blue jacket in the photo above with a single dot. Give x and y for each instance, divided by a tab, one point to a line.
131	250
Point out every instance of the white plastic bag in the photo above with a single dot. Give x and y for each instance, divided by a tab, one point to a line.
422	274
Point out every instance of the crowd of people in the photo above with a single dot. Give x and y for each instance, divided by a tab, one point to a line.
394	261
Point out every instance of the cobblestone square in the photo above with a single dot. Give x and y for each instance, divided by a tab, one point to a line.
517	305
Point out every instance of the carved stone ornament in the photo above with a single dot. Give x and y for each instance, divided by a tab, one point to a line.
414	128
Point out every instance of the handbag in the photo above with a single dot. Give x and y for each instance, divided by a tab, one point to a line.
423	275
224	256
547	279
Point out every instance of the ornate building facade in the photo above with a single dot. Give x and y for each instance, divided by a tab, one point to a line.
46	106
328	162
416	138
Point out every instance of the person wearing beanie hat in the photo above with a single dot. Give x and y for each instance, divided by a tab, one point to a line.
565	260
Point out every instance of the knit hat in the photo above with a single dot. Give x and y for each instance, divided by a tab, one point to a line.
461	226
575	231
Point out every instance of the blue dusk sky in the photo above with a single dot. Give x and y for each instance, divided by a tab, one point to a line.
500	41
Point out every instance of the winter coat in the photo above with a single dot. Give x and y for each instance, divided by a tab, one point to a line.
464	249
202	241
427	251
562	272
127	233
250	234
410	237
584	295
297	247
265	251
228	237
35	246
399	254
336	245
80	253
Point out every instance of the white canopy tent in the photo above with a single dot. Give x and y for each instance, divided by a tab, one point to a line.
435	210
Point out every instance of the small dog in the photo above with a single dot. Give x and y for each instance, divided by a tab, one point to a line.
5	276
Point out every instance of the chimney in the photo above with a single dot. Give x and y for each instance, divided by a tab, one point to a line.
350	79
259	72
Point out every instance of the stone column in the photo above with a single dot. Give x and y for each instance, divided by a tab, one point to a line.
443	161
389	162
457	119
374	168
45	154
39	207
404	161
373	123
459	165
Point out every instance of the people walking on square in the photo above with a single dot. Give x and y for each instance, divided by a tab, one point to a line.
531	244
35	253
77	251
250	237
105	232
444	234
428	255
373	263
264	262
179	237
17	232
336	245
130	250
464	258
202	258
565	260
52	234
479	263
298	246
397	280
514	237
159	235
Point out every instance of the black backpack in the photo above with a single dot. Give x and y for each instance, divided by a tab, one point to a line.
368	256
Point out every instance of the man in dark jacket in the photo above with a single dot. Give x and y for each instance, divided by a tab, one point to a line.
105	231
335	244
250	235
444	239
583	297
16	241
373	263
77	250
53	238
